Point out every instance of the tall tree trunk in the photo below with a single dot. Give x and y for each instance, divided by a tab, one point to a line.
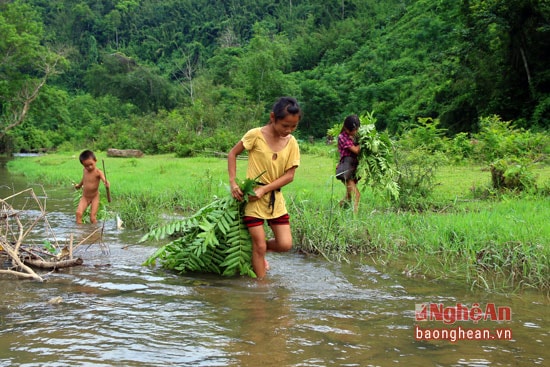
527	72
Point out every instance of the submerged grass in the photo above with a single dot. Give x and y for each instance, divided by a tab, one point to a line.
497	243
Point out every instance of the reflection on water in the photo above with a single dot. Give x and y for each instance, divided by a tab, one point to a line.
114	312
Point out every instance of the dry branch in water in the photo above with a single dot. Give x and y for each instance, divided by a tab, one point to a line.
18	258
54	264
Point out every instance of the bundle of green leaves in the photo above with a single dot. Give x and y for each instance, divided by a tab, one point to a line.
213	240
376	160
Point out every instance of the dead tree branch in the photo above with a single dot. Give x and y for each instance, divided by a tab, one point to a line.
16	226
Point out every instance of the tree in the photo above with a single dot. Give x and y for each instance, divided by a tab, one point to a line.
321	105
25	64
261	69
507	50
122	77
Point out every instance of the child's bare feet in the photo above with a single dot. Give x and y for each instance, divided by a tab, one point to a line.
266	264
344	203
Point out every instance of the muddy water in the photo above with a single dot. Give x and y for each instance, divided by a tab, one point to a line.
112	311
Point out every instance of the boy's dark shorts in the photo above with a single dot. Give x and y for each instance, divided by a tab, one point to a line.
253	221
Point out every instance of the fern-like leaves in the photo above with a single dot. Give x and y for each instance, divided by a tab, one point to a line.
213	240
376	163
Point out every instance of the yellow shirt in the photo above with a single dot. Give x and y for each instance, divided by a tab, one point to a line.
260	159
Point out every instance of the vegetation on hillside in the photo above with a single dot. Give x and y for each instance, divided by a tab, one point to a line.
188	76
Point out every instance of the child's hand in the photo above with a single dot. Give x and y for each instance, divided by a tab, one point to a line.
237	193
259	191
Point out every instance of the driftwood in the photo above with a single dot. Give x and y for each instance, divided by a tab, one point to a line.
53	264
125	153
18	258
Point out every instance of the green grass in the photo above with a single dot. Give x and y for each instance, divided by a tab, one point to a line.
496	243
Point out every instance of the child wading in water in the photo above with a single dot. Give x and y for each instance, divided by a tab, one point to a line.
347	167
90	186
273	151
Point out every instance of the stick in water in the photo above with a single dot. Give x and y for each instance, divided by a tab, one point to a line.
108	190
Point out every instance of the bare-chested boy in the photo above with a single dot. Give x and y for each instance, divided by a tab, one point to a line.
90	186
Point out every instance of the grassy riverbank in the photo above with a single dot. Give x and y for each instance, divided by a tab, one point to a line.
496	243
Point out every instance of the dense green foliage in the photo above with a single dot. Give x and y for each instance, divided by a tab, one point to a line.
214	239
376	159
184	76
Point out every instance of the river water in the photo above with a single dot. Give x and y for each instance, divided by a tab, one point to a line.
111	311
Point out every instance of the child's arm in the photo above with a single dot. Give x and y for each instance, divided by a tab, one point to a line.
232	170
79	185
103	178
349	144
355	149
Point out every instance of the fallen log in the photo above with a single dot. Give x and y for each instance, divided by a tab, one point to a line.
126	153
42	264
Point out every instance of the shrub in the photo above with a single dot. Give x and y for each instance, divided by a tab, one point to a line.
221	141
417	170
426	135
498	139
512	174
31	139
461	147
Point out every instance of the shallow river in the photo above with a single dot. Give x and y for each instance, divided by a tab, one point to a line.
111	311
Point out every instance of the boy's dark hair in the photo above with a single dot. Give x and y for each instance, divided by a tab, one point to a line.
352	122
87	154
286	106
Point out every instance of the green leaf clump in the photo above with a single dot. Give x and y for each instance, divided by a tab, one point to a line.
376	160
213	240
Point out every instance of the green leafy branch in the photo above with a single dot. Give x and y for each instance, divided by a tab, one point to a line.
213	240
376	161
